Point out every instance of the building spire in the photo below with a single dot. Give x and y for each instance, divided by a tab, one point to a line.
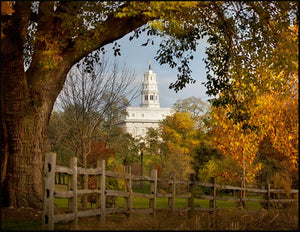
150	93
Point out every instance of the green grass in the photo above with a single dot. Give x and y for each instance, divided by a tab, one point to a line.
61	202
142	203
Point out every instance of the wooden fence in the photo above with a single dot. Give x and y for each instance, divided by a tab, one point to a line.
101	192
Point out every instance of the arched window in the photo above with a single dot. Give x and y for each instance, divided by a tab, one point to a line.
151	97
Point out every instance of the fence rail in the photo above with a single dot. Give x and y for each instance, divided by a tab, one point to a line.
50	168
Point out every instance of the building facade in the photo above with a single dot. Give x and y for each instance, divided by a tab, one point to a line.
137	120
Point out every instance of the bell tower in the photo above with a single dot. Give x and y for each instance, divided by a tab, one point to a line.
150	93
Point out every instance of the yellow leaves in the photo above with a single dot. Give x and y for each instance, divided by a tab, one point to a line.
156	10
179	135
235	141
277	118
271	115
159	25
51	55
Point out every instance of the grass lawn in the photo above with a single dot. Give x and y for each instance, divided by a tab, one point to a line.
141	203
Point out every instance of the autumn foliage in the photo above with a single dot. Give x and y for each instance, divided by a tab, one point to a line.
269	132
99	151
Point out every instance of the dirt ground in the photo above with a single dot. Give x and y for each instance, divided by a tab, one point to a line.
20	214
31	219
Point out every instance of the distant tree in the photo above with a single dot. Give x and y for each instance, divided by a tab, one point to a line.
85	101
178	137
125	146
195	106
225	169
154	150
204	152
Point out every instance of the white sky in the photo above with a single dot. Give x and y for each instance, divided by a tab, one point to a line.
137	58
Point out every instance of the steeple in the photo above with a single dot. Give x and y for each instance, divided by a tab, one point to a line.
150	93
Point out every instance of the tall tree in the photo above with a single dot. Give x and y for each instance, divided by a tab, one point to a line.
53	36
86	101
175	144
125	146
268	132
195	106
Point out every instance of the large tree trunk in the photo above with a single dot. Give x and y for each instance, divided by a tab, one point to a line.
22	132
27	98
24	181
25	118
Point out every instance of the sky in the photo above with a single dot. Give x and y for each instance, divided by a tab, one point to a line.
137	59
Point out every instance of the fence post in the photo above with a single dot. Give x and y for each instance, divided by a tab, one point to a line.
213	193
129	188
74	188
98	183
69	187
269	196
153	190
172	189
213	203
241	196
102	186
48	206
191	203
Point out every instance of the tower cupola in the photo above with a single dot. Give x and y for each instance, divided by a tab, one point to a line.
150	93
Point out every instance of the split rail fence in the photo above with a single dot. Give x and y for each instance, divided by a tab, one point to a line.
101	192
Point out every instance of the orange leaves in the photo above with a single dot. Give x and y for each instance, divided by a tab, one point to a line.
231	138
273	119
277	118
235	142
7	7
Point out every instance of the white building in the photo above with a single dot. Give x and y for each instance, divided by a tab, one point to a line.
149	114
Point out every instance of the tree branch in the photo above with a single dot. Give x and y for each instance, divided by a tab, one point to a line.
113	29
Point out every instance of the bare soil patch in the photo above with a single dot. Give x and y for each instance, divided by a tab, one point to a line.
24	213
284	219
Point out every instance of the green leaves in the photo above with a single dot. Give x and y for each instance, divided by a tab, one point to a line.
179	47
